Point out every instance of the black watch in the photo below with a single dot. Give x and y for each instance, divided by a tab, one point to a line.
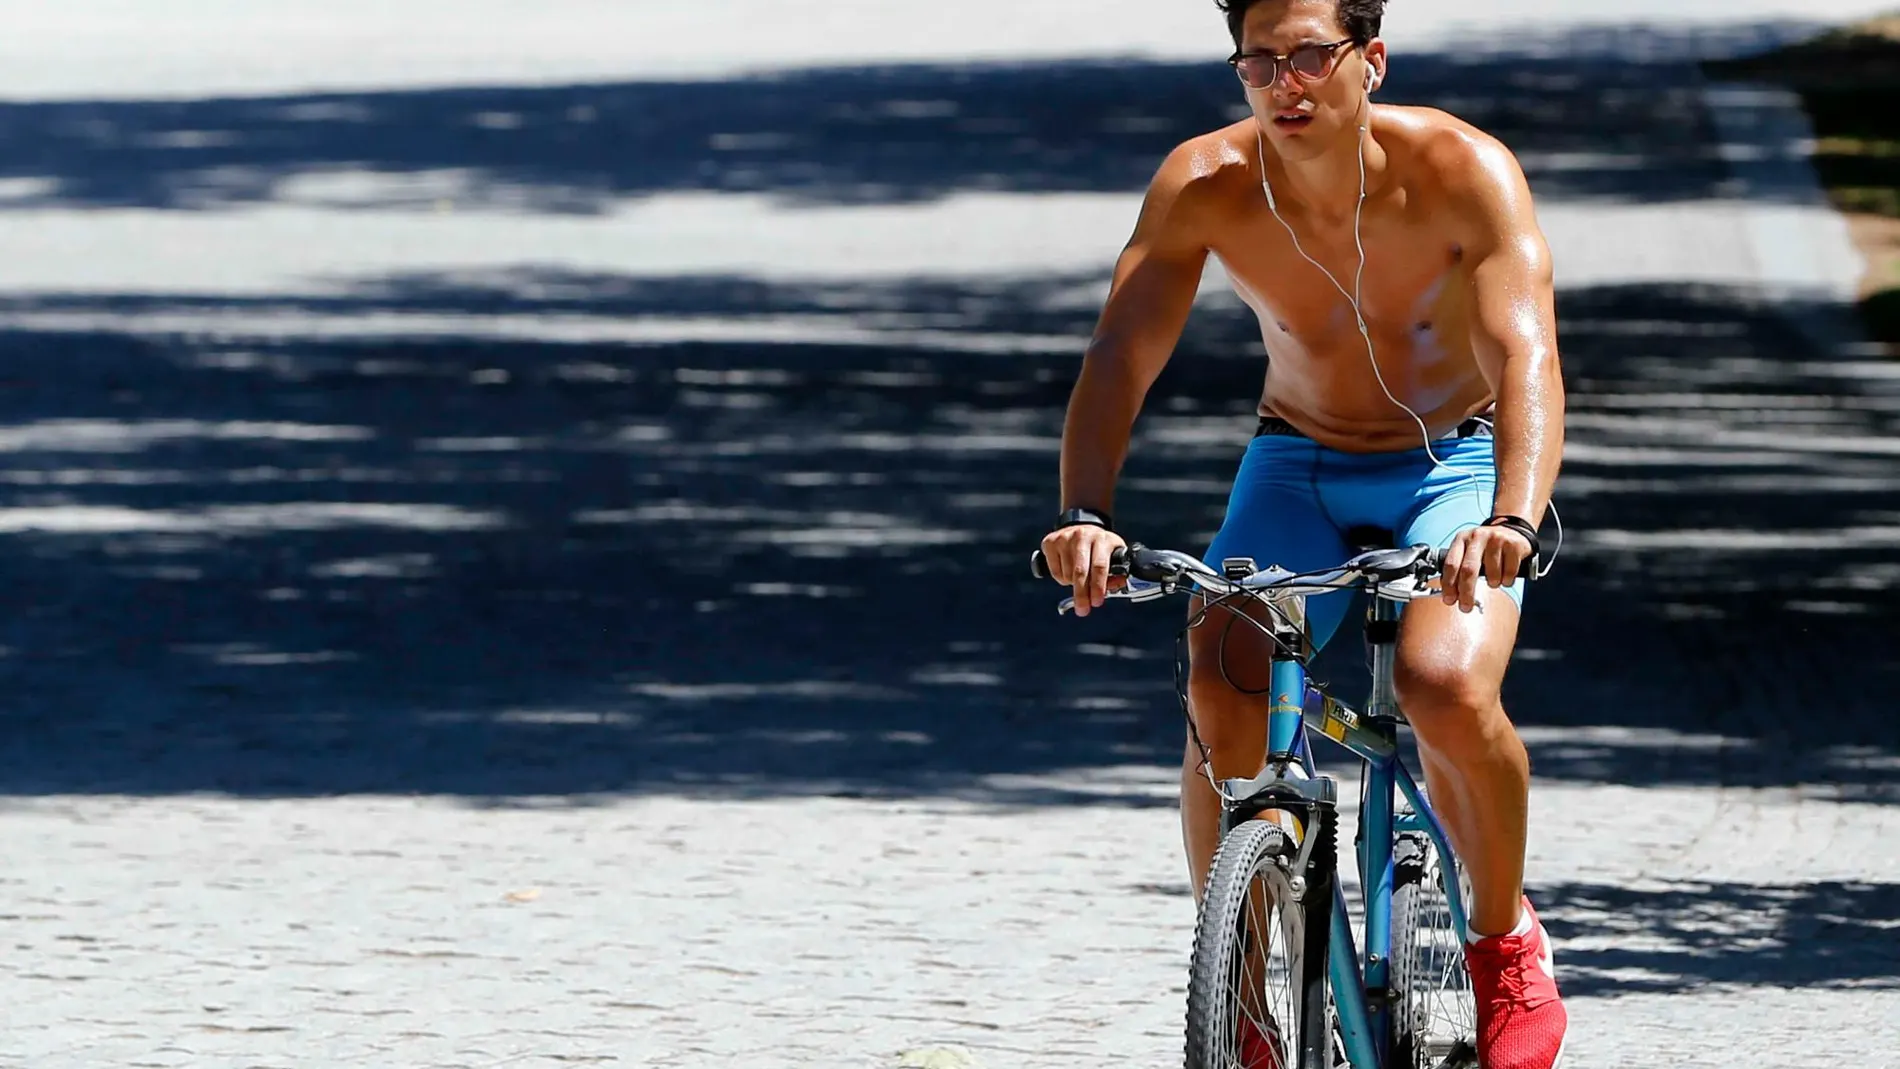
1084	518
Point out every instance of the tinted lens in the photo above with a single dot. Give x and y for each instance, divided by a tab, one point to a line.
1310	61
1257	71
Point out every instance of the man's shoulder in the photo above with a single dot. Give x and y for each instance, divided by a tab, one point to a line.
1204	165
1451	156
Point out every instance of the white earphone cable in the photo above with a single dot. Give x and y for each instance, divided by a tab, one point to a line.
1365	332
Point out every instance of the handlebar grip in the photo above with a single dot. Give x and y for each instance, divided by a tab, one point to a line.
1039	565
1526	571
1117	563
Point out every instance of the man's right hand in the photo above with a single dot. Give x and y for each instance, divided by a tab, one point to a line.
1078	556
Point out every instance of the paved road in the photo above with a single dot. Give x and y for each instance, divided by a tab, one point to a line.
526	570
118	49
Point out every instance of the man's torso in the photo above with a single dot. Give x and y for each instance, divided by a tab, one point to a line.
1415	294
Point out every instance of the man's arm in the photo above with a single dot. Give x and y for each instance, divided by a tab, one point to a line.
1149	299
1514	338
1148	303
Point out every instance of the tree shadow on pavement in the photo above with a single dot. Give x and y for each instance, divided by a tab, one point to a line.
498	568
258	547
1848	82
1597	113
1682	938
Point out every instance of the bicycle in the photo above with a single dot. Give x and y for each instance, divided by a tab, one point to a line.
1274	952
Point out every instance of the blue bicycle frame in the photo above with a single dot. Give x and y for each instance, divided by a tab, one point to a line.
1362	988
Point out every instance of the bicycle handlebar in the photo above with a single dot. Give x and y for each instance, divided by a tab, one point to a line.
1163	570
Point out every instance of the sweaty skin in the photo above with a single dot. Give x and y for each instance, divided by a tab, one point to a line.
1457	297
1458	300
1457	289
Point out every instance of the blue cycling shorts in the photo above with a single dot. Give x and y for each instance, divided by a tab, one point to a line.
1294	499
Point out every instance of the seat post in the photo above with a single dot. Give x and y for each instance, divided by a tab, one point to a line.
1382	633
1382	642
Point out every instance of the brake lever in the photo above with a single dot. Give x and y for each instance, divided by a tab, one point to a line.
1136	590
1410	588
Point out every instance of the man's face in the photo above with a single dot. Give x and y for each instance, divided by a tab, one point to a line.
1305	115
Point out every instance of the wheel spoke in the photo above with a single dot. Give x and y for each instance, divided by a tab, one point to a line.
1262	992
1250	972
1429	970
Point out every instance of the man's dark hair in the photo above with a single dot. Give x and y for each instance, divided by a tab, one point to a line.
1361	18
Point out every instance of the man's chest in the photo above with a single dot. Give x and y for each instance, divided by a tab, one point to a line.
1410	281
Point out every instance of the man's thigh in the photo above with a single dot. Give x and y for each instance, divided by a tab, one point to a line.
1453	497
1275	517
1448	657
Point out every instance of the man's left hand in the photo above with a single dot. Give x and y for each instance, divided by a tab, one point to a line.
1492	555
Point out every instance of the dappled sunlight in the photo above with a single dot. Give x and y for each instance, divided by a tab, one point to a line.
115	436
575	717
955	676
795	590
1554	741
244	519
177	477
1717	469
393	566
1126	785
840	539
1739	541
1795	436
770	566
1587	120
481	445
1646	757
1787	485
809	690
1682	936
249	655
675	437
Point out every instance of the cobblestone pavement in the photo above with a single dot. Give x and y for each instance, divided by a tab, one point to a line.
533	574
675	932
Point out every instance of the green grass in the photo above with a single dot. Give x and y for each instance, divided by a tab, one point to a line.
1849	83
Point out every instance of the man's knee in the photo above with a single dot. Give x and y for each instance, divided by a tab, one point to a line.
1230	674
1442	693
1230	723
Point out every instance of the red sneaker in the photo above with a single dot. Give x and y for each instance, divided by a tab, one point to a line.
1256	1050
1521	1019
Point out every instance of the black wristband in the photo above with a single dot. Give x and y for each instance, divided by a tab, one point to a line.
1521	526
1084	518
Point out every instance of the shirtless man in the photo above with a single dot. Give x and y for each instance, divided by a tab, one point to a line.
1455	289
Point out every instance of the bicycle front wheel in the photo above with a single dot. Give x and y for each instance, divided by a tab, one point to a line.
1257	995
1435	1021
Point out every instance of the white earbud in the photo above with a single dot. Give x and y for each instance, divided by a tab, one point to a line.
1372	79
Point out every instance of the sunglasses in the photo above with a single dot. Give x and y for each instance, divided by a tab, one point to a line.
1309	63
